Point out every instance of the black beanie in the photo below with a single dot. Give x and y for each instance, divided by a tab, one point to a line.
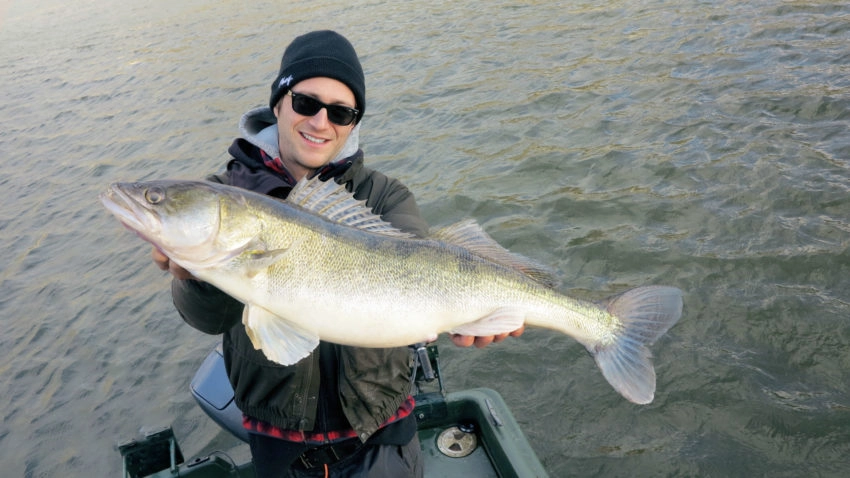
320	53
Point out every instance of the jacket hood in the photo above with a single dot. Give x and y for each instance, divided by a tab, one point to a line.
259	127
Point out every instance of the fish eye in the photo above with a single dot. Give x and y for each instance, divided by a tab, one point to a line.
155	195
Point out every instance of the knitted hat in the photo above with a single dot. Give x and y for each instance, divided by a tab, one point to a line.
320	53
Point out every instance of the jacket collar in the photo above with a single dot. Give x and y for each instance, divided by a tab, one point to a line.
248	170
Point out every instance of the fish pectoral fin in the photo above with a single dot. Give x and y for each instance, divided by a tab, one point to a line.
280	340
259	260
500	321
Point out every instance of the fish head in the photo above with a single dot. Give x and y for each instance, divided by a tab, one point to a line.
183	219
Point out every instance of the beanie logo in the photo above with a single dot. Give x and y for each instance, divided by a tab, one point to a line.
285	81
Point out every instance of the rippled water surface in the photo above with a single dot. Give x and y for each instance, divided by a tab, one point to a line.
700	144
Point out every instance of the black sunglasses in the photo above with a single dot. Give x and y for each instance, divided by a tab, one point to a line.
308	106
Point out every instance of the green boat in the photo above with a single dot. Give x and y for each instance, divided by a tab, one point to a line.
469	433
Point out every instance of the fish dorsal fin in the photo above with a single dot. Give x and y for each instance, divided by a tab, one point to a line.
469	235
334	203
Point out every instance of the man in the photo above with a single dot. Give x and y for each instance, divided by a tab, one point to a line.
342	411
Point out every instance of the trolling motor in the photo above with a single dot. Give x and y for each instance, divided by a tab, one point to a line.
426	369
214	394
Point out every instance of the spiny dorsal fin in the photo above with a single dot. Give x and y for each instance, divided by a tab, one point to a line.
469	235
334	203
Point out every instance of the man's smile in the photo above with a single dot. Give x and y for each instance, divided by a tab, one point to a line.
313	139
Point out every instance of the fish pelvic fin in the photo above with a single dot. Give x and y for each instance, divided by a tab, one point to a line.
646	313
281	341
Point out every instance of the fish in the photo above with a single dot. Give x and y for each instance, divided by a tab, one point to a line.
321	265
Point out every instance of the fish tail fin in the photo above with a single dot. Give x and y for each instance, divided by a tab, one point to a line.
646	313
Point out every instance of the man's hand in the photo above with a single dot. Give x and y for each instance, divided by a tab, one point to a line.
164	263
467	340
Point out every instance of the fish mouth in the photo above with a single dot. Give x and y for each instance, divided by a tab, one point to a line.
129	212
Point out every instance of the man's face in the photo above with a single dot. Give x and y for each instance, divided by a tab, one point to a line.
309	142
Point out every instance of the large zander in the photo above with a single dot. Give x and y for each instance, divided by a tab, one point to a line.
320	265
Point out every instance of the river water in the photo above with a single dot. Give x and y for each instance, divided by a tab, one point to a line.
696	143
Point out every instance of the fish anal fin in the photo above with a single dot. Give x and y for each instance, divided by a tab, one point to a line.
280	341
469	235
500	321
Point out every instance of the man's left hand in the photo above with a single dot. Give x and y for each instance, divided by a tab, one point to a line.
467	340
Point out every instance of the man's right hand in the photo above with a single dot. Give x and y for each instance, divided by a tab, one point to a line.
164	263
